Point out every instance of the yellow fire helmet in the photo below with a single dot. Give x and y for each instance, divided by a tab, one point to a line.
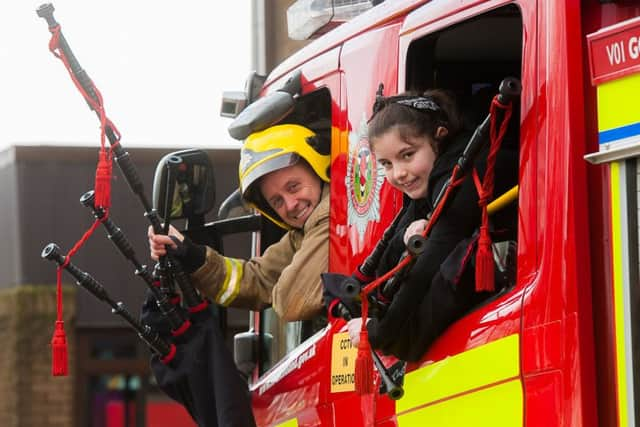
276	148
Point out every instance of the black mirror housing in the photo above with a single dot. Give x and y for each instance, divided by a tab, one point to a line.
261	114
188	175
246	351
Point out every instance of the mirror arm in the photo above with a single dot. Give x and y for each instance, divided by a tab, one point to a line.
234	200
212	232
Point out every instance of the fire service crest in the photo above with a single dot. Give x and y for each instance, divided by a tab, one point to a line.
363	180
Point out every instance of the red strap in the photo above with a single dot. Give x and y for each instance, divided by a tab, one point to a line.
102	186
361	277
364	361
485	192
102	189
59	364
485	274
169	357
434	217
198	308
332	304
182	329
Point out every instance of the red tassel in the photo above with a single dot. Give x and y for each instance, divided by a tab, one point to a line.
485	273
364	361
60	359
364	365
103	180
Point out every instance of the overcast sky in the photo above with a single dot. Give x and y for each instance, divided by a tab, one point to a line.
161	68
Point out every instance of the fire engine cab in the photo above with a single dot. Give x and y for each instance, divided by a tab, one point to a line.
559	345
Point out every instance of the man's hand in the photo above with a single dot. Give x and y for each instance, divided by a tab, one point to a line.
158	242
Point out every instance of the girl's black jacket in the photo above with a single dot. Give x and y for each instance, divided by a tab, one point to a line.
427	301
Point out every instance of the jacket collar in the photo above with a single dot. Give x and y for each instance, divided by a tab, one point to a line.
321	210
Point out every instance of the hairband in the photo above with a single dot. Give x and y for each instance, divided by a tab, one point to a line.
420	103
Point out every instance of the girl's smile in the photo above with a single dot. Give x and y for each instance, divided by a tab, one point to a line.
407	163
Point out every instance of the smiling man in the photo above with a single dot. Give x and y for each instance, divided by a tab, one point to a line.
283	174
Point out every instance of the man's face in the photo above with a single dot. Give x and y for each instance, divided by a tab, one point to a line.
292	192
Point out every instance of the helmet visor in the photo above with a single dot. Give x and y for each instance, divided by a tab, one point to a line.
271	165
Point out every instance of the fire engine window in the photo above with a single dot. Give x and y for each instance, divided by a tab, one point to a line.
312	110
470	59
473	55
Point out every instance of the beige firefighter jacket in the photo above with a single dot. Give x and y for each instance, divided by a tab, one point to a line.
286	276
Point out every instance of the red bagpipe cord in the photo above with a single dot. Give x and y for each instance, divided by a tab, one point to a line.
364	361
102	191
485	270
60	360
102	186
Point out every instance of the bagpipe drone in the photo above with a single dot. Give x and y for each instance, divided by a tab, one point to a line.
178	325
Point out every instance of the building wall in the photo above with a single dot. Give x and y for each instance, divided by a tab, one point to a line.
9	220
29	395
278	45
40	188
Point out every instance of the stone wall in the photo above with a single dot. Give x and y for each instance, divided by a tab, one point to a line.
29	395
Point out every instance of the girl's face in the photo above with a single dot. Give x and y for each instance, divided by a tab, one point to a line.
407	164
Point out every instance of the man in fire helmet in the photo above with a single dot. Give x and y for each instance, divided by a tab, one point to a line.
283	174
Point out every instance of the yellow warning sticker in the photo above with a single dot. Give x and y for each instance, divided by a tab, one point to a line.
343	363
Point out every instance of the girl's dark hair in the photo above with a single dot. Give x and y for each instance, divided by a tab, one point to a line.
417	115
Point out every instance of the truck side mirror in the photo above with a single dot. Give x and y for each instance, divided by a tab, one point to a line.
261	114
184	180
245	350
266	111
233	102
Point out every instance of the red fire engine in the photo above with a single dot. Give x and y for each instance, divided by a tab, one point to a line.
558	347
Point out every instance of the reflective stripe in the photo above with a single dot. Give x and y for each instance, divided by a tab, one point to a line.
293	422
621	297
479	387
617	102
231	285
500	405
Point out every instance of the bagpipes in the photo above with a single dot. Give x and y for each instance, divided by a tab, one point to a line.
354	295
178	325
157	344
509	89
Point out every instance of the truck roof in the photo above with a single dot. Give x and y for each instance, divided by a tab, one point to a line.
382	13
